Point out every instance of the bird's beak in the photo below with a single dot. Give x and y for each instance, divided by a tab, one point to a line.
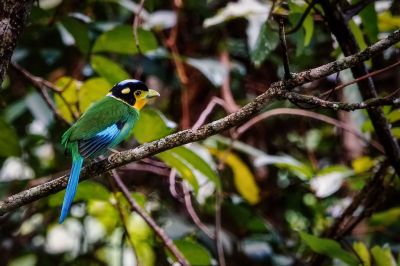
152	94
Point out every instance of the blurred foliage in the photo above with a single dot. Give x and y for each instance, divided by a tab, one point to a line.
282	183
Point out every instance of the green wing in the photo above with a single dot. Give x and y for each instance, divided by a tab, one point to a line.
99	116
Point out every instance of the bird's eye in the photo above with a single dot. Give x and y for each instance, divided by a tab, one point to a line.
137	93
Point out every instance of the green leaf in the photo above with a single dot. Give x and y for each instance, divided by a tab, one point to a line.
363	253
120	40
308	26
152	125
313	139
243	216
70	88
396	132
197	163
87	190
173	160
25	260
261	158
329	248
91	91
370	22
9	142
385	218
138	228
383	256
109	70
242	176
296	12
195	253
393	116
266	43
358	34
75	93
79	31
105	212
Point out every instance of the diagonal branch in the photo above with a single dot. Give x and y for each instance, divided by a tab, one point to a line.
41	85
308	114
190	135
158	230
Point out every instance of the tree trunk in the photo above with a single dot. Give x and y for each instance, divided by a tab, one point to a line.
13	14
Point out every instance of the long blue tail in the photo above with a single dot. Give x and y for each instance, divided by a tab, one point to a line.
71	187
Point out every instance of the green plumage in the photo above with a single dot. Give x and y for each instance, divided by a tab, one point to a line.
104	125
98	117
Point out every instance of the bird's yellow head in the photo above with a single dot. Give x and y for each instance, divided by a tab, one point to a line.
133	92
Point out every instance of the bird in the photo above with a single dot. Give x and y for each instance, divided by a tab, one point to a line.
104	125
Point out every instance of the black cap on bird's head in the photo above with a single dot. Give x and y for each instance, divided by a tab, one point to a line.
133	92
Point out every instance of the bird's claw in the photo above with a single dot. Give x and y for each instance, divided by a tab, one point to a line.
113	151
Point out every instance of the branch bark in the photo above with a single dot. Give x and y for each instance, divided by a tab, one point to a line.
191	135
370	104
13	14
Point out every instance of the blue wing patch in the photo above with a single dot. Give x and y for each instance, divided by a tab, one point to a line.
100	142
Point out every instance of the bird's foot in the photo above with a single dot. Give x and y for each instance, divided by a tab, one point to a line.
113	151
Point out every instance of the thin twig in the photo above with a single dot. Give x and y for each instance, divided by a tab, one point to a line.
371	74
169	244
192	213
35	79
285	56
313	115
226	86
207	111
41	85
356	8
136	25
317	102
303	18
172	184
146	168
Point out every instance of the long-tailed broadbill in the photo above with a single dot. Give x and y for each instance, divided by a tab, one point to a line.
104	125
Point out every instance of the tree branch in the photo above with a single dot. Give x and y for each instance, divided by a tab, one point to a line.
41	85
285	55
190	135
303	18
135	26
313	115
356	8
315	101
